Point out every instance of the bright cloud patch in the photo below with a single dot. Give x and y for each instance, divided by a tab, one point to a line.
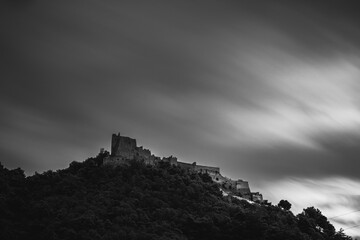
337	198
307	98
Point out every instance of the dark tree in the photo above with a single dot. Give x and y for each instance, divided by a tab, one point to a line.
312	222
284	204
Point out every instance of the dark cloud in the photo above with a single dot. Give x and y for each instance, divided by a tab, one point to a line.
336	155
166	67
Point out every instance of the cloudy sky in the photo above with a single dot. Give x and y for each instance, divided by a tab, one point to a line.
267	91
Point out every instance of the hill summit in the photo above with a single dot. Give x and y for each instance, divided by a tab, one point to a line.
91	200
124	149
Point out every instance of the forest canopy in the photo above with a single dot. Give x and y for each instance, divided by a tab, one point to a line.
90	201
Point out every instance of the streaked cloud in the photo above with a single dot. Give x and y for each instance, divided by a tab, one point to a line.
336	197
313	98
264	90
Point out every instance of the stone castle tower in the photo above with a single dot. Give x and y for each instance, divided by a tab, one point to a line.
122	146
124	149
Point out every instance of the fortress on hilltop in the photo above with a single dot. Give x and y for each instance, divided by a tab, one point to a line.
125	149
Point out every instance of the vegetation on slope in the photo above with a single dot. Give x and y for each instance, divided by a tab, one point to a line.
92	201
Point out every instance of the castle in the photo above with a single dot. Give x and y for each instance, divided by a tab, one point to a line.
125	149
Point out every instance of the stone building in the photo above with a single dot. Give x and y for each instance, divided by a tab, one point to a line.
172	160
125	149
256	197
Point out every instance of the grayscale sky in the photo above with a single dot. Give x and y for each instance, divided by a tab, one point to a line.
266	90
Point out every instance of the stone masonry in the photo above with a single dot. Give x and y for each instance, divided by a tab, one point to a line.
125	149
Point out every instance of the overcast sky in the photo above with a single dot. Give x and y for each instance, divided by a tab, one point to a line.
266	90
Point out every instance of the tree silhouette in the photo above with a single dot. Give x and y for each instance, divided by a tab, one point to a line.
284	204
138	201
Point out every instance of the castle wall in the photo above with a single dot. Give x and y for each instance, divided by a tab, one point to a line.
186	166
171	160
225	182
115	161
141	153
207	169
218	178
124	149
240	184
257	197
199	168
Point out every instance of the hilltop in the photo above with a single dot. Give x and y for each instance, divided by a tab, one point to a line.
90	200
125	149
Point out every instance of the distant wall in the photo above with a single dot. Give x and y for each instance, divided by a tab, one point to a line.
240	184
124	149
186	166
172	160
115	161
207	169
142	153
199	168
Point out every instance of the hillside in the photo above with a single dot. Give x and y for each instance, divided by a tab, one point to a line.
91	201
